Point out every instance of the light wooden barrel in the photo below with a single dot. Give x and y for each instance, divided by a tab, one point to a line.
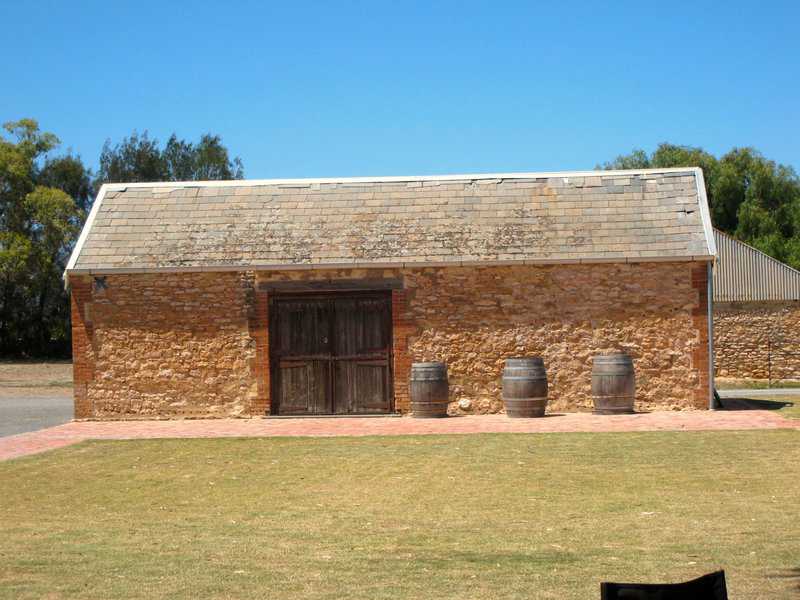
613	384
429	389
525	387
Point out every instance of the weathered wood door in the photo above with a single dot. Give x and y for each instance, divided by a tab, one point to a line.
331	354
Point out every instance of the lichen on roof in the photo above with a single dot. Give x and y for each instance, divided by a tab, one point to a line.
607	216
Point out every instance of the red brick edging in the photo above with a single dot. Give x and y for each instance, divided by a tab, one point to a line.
71	433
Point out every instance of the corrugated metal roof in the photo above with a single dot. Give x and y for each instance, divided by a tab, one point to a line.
744	274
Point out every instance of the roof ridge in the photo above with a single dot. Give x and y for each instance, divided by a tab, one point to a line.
402	178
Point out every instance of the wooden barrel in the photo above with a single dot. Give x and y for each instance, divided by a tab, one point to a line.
428	389
525	387
613	384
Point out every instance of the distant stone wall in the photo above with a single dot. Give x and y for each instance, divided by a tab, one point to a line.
757	340
197	345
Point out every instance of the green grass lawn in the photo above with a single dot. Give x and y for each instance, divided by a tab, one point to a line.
792	408
793	411
479	516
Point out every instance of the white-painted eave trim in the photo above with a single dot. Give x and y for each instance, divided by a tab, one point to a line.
87	226
705	213
395	179
389	265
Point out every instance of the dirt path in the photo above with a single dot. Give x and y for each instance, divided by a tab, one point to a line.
35	379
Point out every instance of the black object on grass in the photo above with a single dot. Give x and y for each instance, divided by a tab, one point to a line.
707	587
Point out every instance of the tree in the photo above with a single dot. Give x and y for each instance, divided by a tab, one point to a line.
750	197
139	158
67	173
39	223
44	200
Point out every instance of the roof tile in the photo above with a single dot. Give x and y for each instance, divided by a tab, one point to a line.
557	218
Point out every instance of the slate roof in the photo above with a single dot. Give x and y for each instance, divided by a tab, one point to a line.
595	216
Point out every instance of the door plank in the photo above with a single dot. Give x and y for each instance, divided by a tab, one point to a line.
331	353
362	351
361	387
301	356
304	387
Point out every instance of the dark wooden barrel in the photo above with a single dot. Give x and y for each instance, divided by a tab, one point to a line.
613	384
428	389
525	387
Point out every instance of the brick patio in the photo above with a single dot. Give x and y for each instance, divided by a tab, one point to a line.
72	433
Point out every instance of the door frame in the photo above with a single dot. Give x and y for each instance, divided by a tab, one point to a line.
276	296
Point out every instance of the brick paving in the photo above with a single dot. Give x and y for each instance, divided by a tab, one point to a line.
71	433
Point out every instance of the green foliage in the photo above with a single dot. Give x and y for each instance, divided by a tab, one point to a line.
637	159
750	197
67	173
139	158
44	200
42	206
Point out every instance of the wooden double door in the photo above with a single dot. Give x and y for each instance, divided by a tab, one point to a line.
331	354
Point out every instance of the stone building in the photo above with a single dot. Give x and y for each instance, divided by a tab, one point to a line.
242	298
756	314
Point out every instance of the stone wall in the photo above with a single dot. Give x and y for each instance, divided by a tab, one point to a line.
187	345
474	318
164	346
757	340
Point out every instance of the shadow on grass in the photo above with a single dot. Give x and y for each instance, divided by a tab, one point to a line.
547	558
753	404
790	574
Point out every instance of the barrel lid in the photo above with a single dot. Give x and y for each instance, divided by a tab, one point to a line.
613	357
428	365
524	360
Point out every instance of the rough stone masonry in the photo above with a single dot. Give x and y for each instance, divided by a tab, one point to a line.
183	345
171	286
757	340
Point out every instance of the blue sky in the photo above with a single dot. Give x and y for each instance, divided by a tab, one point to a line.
388	88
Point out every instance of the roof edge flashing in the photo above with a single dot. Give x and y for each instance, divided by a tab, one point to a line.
705	211
87	226
400	178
